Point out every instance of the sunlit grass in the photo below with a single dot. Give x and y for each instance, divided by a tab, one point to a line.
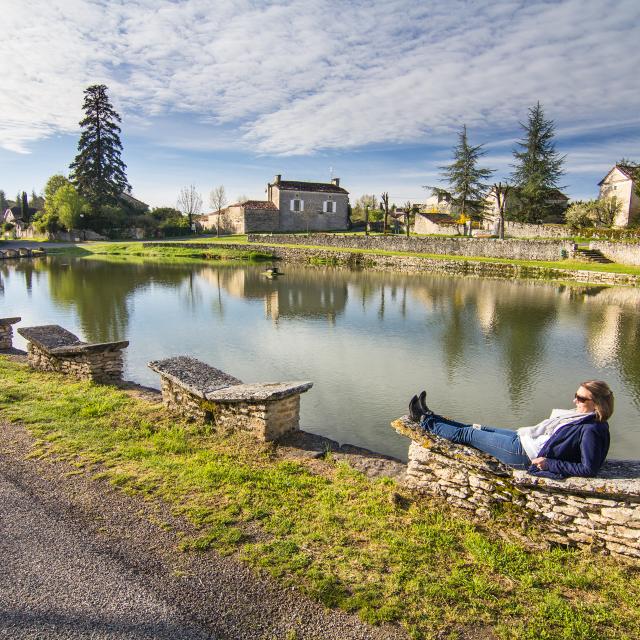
345	540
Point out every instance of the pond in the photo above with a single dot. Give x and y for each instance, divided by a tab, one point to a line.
492	351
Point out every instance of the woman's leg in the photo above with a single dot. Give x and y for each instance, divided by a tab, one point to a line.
502	444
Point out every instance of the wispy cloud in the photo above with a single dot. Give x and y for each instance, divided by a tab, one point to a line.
300	76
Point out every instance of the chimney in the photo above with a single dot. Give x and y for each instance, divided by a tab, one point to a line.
335	182
276	180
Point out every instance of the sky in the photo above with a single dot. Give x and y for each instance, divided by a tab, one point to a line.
232	92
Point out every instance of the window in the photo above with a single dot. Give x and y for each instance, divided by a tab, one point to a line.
297	205
329	206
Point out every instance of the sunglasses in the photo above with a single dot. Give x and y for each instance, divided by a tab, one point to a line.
582	398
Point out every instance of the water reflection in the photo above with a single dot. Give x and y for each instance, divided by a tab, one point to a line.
493	351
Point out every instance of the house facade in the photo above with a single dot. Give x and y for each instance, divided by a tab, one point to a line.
290	206
556	200
620	183
435	224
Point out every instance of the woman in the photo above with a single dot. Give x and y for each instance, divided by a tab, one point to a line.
568	443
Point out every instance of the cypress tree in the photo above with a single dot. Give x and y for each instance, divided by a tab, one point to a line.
24	206
98	172
538	167
465	177
4	204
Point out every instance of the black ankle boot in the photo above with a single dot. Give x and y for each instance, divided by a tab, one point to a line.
422	404
414	409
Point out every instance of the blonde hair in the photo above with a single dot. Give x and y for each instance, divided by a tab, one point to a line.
602	398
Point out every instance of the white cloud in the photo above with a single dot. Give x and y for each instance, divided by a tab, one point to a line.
300	76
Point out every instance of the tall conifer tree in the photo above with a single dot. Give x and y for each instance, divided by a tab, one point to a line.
465	177
98	172
537	169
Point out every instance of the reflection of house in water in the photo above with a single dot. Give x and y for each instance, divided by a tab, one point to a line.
612	321
297	294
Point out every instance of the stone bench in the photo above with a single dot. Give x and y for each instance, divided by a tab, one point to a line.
6	332
198	391
601	512
53	348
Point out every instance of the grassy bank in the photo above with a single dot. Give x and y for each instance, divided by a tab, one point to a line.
345	540
143	250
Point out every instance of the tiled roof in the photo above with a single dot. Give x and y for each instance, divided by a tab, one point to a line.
257	204
324	187
625	169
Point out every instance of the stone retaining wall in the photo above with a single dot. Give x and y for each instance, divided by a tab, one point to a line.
622	252
526	230
549	250
442	265
602	512
99	366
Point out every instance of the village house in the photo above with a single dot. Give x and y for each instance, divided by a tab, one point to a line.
290	206
13	216
620	183
557	200
435	224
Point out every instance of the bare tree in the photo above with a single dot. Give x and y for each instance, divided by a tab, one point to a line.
218	200
189	203
385	206
501	192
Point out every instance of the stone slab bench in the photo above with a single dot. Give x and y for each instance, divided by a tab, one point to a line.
53	348
6	332
601	512
199	391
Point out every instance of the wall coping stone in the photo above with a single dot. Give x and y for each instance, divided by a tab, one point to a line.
8	321
56	340
617	479
259	392
195	376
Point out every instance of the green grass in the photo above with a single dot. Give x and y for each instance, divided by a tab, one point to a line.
159	252
341	538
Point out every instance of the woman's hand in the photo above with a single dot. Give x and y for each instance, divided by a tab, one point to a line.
541	463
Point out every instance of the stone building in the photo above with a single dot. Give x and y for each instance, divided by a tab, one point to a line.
435	224
290	206
620	183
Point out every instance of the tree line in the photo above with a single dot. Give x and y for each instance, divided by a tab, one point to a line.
96	195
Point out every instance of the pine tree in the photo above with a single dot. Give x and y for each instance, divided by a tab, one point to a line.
538	168
98	171
465	178
4	204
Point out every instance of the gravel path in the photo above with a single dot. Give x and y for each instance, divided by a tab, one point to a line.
80	559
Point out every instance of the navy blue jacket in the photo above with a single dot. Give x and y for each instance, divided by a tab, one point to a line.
578	449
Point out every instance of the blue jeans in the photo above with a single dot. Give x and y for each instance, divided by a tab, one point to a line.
503	444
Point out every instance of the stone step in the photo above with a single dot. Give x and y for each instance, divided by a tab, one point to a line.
592	255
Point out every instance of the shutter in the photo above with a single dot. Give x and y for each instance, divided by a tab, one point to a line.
292	206
301	205
324	206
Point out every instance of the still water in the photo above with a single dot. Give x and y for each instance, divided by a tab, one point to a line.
502	353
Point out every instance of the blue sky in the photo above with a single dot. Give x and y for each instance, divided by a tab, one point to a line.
234	91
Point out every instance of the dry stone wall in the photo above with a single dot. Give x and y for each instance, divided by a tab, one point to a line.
526	230
602	512
198	391
622	252
549	250
99	366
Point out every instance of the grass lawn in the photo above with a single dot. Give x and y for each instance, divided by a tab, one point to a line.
347	541
139	250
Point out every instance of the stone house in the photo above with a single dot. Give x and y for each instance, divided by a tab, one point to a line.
435	224
558	200
620	182
290	206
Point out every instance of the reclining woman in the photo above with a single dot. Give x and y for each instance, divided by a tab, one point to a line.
568	443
